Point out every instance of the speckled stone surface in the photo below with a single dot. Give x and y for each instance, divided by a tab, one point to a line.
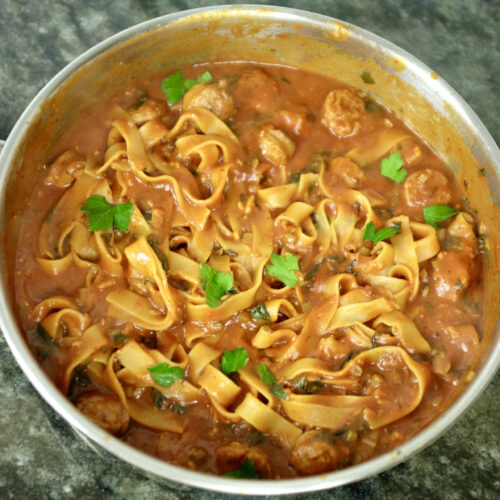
40	455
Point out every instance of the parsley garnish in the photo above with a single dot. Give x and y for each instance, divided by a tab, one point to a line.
165	375
391	167
260	312
283	268
381	234
215	284
267	376
301	384
246	471
175	85
235	360
437	213
103	216
119	339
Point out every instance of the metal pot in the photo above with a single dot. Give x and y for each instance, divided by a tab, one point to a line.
281	36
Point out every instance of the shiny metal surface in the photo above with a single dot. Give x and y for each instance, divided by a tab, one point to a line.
360	44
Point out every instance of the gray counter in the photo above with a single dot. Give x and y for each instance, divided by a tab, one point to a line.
40	456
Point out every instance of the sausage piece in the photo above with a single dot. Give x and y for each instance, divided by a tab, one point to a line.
426	187
256	90
211	96
65	169
276	146
343	112
452	274
344	170
314	455
105	411
151	109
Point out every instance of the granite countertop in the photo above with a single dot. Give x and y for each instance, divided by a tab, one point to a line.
41	456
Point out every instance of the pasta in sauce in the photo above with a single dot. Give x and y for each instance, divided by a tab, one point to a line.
244	282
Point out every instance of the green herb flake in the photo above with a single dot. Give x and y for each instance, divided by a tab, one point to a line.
350	268
283	267
314	167
312	272
350	356
79	381
160	254
391	167
158	399
234	360
437	213
119	339
260	312
285	79
246	471
335	259
458	285
177	408
148	215
103	216
299	383
372	106
175	85
452	243
315	386
382	234
267	376
367	77
143	95
215	284
165	375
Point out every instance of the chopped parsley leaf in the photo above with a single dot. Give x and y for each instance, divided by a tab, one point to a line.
283	267
391	167
165	375
382	234
103	216
246	471
234	360
175	85
268	377
437	213
260	312
215	284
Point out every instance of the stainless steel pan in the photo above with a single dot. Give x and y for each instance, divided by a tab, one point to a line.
276	35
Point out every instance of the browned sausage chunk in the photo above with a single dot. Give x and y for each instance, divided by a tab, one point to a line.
149	110
455	267
426	187
65	169
256	90
452	274
276	146
105	411
344	170
314	455
211	96
342	112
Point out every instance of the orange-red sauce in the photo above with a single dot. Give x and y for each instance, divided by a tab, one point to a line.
292	104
